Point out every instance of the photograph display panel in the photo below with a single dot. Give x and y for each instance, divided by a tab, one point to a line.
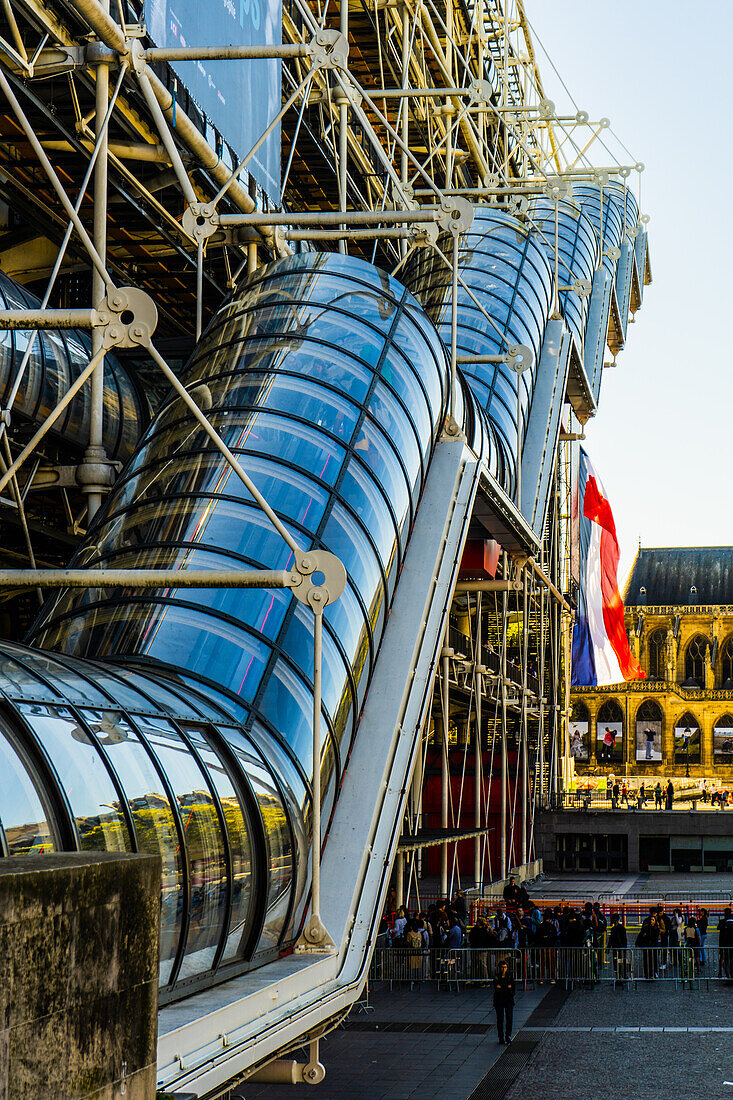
687	744
610	737
579	741
648	742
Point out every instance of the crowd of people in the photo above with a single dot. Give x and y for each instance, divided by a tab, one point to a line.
443	929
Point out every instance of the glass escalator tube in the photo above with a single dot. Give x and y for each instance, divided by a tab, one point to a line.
330	385
578	254
508	277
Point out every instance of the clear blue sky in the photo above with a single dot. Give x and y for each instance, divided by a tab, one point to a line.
662	440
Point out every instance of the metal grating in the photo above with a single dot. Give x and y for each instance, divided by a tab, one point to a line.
417	1028
496	1083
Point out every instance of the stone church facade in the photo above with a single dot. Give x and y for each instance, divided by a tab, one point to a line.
679	720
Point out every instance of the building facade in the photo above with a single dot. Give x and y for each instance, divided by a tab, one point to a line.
679	720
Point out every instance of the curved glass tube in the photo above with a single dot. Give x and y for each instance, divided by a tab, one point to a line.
578	249
507	277
612	220
57	358
327	381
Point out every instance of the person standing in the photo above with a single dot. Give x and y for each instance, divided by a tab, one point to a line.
649	734
670	795
625	793
658	796
504	1002
615	795
702	927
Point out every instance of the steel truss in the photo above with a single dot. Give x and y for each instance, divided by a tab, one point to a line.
397	119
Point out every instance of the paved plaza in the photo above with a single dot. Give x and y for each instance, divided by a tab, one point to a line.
580	1045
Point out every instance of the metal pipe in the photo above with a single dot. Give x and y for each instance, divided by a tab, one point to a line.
454	331
226	53
49	422
222	448
343	107
95	454
400	880
46	318
488	586
525	762
542	576
504	765
148	578
54	180
444	776
251	257
334	217
352	234
166	137
477	759
316	782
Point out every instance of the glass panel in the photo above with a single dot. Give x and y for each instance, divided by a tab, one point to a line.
239	831
277	840
23	817
204	844
154	821
94	802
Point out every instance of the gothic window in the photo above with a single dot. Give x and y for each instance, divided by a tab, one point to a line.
695	660
649	711
657	644
726	664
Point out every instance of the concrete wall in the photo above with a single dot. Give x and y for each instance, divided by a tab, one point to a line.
79	991
672	823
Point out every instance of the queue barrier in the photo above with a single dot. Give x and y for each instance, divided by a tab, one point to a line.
466	966
632	910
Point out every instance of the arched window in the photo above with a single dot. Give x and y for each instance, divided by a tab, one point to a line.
656	644
695	660
723	739
649	733
610	733
687	738
726	664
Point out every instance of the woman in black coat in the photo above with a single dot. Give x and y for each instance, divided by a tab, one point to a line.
504	1002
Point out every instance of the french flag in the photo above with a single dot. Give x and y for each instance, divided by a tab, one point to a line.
601	653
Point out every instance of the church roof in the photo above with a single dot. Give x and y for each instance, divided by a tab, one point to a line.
668	574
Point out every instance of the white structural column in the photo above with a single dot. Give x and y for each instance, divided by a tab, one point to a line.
444	769
504	769
477	741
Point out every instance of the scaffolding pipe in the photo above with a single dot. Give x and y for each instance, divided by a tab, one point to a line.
446	654
95	456
149	578
477	761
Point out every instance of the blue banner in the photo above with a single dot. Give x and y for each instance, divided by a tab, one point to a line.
239	97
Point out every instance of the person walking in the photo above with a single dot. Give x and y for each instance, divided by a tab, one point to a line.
641	802
625	793
658	795
670	795
504	1002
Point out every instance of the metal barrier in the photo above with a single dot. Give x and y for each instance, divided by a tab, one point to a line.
633	909
452	968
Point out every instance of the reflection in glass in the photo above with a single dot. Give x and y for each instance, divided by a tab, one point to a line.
239	831
204	844
94	802
154	822
23	818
